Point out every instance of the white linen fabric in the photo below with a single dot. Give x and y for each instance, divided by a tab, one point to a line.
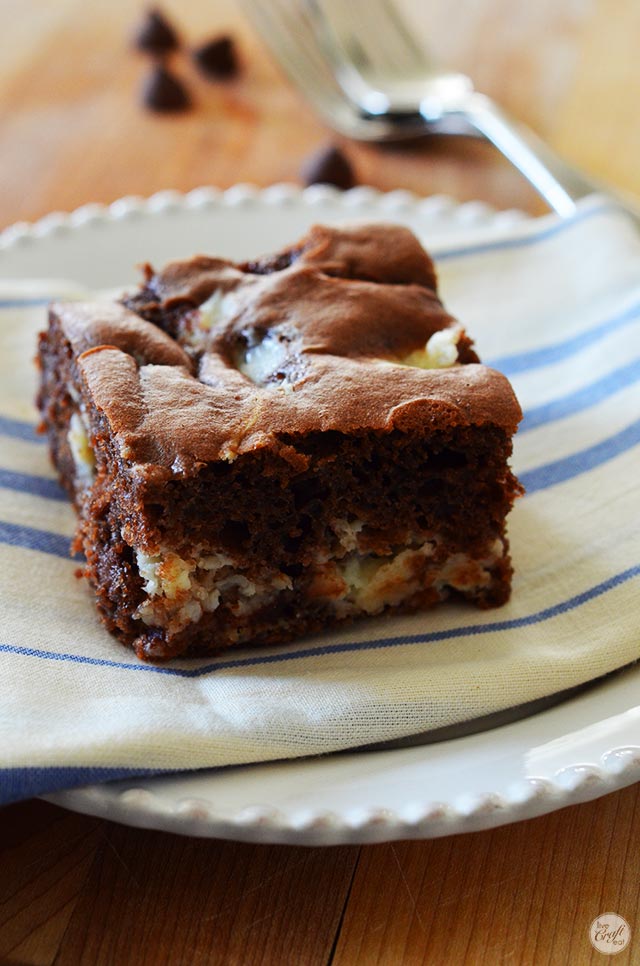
553	304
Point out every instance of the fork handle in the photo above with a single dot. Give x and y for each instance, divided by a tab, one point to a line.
560	185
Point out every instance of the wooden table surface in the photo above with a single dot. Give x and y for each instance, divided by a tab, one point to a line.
76	890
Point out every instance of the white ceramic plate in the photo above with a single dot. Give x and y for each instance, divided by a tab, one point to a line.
576	750
581	749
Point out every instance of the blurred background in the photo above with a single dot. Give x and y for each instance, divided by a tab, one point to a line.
73	129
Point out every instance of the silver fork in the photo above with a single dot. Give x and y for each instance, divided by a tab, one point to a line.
359	66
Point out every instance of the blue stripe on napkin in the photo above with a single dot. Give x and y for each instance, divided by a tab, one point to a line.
519	362
30	483
20	429
433	637
557	227
581	399
30	538
25	303
559	471
19	783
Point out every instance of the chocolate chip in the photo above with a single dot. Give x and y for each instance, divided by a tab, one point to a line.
217	58
156	35
163	91
328	166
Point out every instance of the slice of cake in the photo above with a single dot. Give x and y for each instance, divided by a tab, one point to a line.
263	449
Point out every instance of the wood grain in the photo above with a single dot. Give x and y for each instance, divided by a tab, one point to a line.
523	894
76	890
45	857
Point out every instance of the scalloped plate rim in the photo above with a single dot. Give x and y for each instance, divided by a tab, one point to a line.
142	803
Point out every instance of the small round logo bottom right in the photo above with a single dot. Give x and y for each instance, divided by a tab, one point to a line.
609	933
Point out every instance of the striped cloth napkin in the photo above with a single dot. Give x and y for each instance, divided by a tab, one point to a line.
553	304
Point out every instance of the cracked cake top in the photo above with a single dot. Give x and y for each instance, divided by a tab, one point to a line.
342	332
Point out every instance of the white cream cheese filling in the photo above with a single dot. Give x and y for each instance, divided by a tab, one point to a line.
373	583
347	532
218	309
81	449
179	591
260	362
440	352
271	361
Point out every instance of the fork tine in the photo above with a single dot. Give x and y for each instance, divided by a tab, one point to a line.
292	42
412	53
379	41
289	29
396	103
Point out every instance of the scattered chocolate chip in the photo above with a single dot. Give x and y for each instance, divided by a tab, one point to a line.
217	58
163	91
155	35
329	166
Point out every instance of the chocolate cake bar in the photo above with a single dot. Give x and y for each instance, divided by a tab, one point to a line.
260	450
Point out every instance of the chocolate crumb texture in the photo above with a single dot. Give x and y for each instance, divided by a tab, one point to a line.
156	35
163	92
329	165
217	58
